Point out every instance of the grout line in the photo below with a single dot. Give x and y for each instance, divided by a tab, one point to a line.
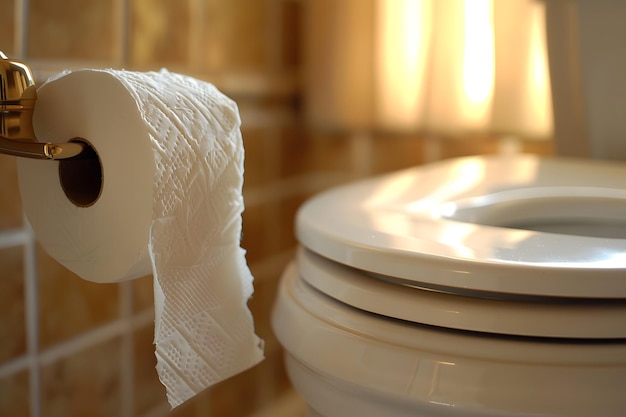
94	337
33	359
255	118
127	360
15	237
83	341
31	302
123	31
143	318
274	44
196	34
14	366
20	32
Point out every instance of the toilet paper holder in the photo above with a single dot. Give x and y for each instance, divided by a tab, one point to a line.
17	102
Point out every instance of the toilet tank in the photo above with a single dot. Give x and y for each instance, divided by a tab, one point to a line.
587	61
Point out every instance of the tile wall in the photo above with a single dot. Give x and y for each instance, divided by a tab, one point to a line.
69	347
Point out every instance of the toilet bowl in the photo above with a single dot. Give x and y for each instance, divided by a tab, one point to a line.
482	286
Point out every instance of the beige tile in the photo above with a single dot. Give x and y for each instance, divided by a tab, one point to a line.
86	383
12	309
14	395
268	228
237	396
288	404
250	391
198	406
328	152
392	153
539	147
285	235
302	153
73	29
291	52
149	392
235	34
69	305
253	232
7	27
259	169
143	293
273	381
467	146
160	33
11	207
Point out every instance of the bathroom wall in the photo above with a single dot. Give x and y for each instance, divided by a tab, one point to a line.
73	348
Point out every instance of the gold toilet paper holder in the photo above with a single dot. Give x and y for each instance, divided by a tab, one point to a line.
18	94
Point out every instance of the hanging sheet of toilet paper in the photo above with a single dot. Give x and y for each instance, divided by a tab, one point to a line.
170	205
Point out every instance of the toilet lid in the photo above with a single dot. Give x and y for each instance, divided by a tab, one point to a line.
453	226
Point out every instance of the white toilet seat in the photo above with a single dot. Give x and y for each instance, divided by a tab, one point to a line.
420	225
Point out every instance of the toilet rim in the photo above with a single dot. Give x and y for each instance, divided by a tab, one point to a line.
545	317
403	233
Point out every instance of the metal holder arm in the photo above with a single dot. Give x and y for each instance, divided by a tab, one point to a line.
17	101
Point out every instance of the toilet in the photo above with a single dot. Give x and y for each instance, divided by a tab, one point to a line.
474	287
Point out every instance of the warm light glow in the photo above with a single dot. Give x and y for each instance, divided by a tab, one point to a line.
464	177
478	57
450	67
402	48
539	85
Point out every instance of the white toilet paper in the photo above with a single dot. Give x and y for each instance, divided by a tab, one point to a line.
170	204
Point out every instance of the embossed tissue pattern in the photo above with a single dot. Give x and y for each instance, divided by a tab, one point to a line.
203	329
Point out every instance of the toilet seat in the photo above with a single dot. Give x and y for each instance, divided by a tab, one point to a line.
453	226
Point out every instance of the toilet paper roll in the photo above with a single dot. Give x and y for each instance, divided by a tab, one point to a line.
164	197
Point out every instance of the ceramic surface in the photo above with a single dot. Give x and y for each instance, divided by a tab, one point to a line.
346	362
385	296
514	224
